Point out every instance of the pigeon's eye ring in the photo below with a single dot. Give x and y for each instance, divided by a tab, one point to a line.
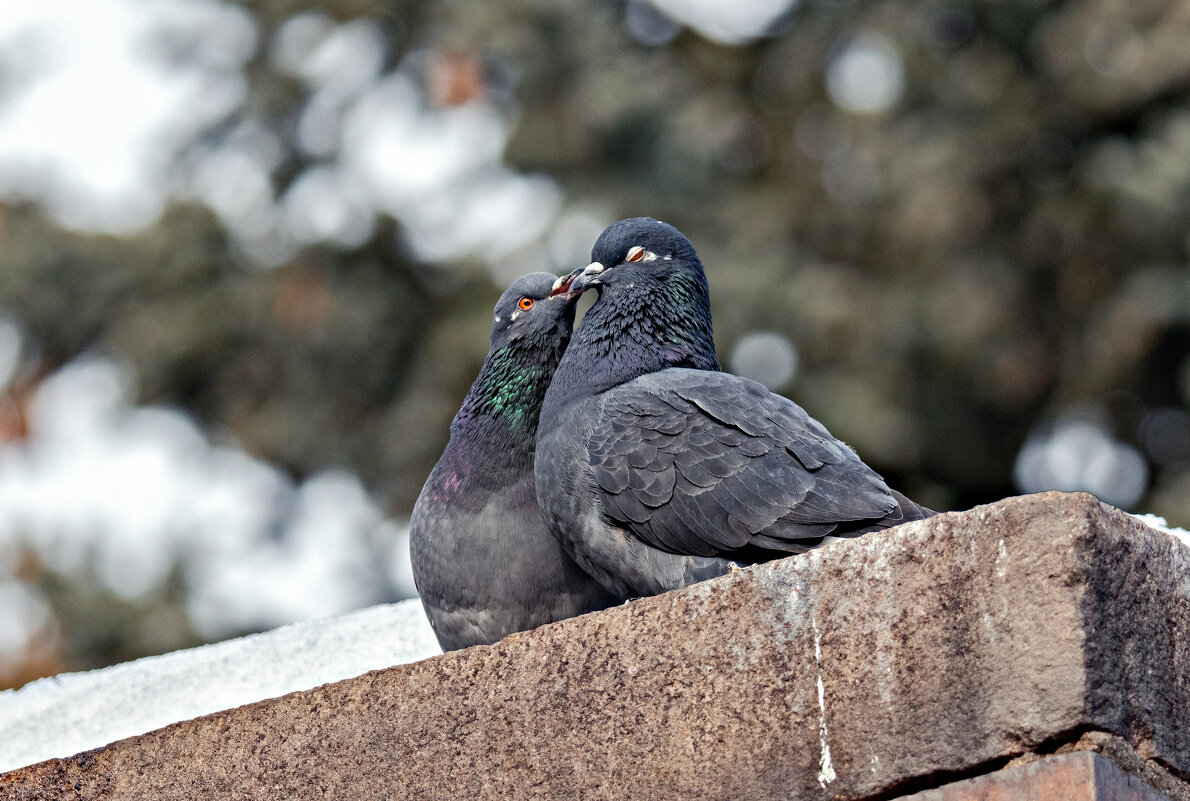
524	304
635	253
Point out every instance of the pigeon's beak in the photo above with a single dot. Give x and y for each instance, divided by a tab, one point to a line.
564	285
587	277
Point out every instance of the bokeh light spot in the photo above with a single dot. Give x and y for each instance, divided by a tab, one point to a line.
866	75
767	357
733	22
1078	453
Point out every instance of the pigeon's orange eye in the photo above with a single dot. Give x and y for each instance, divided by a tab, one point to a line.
635	254
525	304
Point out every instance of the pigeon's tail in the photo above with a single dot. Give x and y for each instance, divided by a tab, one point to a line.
911	510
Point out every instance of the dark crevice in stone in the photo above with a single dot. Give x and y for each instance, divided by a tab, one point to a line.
941	778
1154	773
936	779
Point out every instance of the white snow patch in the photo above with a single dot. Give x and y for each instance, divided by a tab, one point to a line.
1159	523
63	715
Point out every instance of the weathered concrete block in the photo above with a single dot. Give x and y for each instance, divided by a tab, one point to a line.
900	661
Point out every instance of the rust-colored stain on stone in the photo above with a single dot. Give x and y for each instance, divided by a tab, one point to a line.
931	649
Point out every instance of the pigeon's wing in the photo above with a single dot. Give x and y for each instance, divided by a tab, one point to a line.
705	463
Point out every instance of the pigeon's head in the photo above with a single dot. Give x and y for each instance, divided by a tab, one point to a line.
637	251
529	311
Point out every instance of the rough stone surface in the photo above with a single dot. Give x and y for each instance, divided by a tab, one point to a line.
1070	777
932	652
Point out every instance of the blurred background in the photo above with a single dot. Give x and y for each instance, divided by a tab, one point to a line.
248	255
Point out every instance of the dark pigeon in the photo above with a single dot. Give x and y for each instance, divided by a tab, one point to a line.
483	560
654	469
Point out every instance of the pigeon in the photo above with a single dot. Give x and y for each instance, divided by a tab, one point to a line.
654	468
483	560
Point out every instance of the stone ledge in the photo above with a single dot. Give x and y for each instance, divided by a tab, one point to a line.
872	668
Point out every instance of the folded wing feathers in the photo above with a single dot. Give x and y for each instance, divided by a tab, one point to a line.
701	462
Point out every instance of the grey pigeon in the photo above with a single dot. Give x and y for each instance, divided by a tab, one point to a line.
654	469
483	560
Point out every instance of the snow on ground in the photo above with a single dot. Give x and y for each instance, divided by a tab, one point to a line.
63	715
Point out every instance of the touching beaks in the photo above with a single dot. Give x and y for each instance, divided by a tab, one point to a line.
563	286
589	276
